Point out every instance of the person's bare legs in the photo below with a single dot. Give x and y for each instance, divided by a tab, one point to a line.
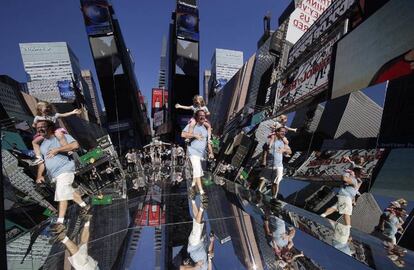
85	234
347	219
275	190
262	184
72	247
197	181
195	209
329	211
63	206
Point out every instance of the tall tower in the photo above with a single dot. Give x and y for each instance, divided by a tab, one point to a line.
126	120
163	64
92	94
224	64
183	63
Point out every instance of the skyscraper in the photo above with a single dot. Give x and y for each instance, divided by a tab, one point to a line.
50	68
126	120
92	95
163	64
183	64
224	64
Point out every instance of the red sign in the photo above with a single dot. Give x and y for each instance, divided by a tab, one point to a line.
156	100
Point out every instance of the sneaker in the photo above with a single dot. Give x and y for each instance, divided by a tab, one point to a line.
58	237
192	193
57	228
84	210
204	201
37	161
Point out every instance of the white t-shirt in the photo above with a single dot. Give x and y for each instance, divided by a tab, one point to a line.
195	109
52	118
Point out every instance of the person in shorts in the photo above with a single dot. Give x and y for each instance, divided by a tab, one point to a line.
197	149
346	195
79	257
274	170
60	168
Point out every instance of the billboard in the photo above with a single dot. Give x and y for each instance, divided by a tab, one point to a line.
187	58
325	21
187	23
385	44
66	90
395	179
97	17
305	14
157	95
158	118
396	126
105	54
308	79
330	164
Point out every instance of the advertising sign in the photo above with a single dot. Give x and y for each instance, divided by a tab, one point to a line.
187	58
379	49
309	79
105	54
158	118
187	23
97	17
66	90
327	19
156	100
305	14
398	114
331	165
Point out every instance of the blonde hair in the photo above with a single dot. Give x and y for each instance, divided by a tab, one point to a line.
43	104
200	99
281	116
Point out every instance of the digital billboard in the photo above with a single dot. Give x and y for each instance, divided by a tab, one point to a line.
187	23
379	49
396	126
66	90
105	53
305	14
187	58
97	17
308	79
331	165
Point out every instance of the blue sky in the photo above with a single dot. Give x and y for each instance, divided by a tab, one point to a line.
230	24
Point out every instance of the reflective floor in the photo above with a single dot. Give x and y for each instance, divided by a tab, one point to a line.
158	226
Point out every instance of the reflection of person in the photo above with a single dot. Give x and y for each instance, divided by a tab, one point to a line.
280	122
60	168
346	195
275	170
341	238
280	240
45	112
196	247
79	259
197	149
130	161
397	67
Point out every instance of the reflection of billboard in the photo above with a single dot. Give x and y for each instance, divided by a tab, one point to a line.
156	100
97	17
187	58
395	179
325	21
187	23
309	79
303	17
66	90
105	53
330	165
383	42
396	126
